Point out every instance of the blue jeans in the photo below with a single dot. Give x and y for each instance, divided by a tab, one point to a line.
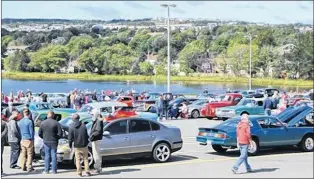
268	112
243	158
51	152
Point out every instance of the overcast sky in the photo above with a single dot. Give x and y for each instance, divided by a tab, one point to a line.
278	12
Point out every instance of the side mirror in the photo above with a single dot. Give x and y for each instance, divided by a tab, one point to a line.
106	133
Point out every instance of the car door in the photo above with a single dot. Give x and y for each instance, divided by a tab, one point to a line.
259	108
142	137
273	132
118	142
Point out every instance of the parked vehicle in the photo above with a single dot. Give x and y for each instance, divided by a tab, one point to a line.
130	138
195	108
149	103
230	99
124	112
251	106
43	106
128	100
105	108
40	116
260	93
294	126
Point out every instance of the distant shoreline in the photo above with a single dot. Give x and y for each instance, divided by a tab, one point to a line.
186	79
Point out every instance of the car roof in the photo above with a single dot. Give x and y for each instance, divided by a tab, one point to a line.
98	105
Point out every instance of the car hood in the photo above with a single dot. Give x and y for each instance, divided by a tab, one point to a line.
228	108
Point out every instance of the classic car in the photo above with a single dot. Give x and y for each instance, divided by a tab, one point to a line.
124	112
40	116
149	102
260	93
247	93
129	100
292	127
230	99
149	138
42	106
196	106
251	106
105	108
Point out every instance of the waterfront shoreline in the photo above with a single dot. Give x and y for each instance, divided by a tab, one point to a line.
184	79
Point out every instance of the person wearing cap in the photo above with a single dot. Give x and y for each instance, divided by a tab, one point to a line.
79	136
14	139
50	131
96	137
243	140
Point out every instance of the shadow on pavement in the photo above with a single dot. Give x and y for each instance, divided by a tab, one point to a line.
262	170
262	152
35	172
116	172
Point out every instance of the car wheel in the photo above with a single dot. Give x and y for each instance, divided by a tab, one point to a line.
244	113
307	143
195	114
209	118
219	148
253	148
90	159
161	153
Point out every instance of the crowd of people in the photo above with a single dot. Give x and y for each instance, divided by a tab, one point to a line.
21	140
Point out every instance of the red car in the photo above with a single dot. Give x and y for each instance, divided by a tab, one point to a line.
122	113
230	99
19	117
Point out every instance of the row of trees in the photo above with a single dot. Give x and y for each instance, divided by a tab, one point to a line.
123	51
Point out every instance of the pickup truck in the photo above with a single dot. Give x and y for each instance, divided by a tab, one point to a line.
230	99
149	102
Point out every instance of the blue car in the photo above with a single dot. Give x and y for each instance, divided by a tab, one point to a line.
294	126
43	106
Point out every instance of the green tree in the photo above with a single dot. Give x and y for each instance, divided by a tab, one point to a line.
17	61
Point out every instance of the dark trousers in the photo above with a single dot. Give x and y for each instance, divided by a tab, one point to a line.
15	153
51	155
2	148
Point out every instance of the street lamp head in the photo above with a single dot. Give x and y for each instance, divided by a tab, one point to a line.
164	5
173	5
168	5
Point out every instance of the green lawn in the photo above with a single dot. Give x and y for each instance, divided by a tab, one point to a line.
188	79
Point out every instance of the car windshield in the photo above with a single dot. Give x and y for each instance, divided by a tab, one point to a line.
178	100
246	102
86	108
43	106
66	121
200	102
227	98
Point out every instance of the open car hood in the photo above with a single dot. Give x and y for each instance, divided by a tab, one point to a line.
300	116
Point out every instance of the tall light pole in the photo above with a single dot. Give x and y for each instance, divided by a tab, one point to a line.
250	79
168	58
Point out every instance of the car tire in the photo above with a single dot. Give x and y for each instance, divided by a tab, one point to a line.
90	159
254	148
209	118
307	143
195	114
161	152
219	148
244	113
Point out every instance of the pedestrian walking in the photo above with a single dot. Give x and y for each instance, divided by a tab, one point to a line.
26	126
96	137
50	131
268	105
243	140
160	107
79	136
94	96
4	132
14	139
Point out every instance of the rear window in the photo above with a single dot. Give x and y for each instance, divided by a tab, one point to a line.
232	123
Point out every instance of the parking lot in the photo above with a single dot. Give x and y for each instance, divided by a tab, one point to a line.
192	161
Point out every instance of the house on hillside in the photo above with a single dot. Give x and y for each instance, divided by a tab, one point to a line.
13	49
151	58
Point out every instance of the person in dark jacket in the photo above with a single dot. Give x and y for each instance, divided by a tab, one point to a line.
69	100
14	139
44	97
79	136
160	107
268	105
96	137
4	132
50	131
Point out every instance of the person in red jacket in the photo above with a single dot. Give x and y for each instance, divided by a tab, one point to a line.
243	141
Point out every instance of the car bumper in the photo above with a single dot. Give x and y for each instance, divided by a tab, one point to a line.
64	154
176	146
225	114
212	140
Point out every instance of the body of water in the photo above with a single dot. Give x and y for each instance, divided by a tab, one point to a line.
176	87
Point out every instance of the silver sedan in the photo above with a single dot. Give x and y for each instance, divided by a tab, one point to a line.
129	138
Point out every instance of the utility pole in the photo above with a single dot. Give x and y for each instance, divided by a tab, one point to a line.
250	79
168	56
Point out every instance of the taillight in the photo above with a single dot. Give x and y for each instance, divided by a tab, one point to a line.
221	135
202	134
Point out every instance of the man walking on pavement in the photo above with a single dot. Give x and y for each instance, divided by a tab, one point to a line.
268	105
26	126
14	139
160	107
96	137
79	136
50	131
4	132
243	140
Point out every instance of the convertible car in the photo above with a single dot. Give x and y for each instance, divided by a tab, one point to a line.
124	112
294	126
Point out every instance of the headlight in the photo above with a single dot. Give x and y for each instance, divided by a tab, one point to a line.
232	111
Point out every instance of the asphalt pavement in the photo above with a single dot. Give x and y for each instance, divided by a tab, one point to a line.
192	161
